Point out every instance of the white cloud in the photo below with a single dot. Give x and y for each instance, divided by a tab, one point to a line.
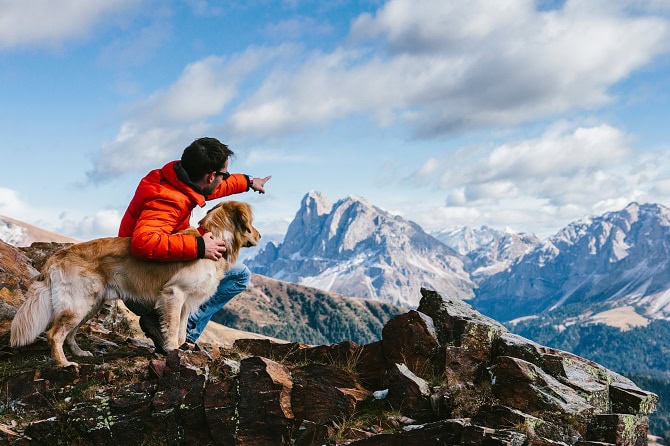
202	90
491	191
430	167
51	22
432	66
104	223
11	204
448	66
166	122
552	158
72	223
544	183
662	187
138	148
585	149
441	218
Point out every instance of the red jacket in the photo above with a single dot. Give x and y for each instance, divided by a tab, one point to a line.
162	206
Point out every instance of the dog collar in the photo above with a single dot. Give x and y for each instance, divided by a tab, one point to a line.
201	230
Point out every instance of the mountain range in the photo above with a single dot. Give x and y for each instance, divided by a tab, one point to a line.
617	261
487	251
610	269
354	248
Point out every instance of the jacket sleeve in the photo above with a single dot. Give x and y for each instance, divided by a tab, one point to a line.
153	239
235	184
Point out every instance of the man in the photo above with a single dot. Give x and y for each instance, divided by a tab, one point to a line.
162	206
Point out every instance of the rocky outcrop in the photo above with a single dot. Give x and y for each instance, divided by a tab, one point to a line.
441	375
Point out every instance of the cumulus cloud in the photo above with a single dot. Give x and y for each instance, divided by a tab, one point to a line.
203	89
11	204
103	223
137	148
162	125
584	149
430	66
447	66
545	182
51	22
75	224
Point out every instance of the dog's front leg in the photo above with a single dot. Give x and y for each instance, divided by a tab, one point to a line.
183	324
169	306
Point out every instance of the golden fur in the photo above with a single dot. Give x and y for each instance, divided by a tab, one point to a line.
76	281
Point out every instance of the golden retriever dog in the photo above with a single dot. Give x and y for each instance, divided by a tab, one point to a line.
76	281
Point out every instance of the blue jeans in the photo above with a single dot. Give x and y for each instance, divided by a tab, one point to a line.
234	281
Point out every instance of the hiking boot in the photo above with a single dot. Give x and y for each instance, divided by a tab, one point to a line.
189	347
151	327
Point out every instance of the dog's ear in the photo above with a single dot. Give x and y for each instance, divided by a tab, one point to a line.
216	207
243	217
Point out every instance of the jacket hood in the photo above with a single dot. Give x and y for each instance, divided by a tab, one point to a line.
175	174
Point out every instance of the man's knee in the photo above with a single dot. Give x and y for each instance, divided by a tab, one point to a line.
242	274
239	274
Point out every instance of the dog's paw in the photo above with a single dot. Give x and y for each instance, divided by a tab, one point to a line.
84	353
69	364
189	347
169	346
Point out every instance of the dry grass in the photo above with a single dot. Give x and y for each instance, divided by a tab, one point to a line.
623	318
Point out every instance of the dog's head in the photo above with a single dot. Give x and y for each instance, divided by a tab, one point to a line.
232	221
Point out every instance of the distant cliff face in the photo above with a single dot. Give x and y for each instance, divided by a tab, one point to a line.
443	374
487	251
621	258
356	249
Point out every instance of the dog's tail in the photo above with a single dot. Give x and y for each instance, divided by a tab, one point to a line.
34	316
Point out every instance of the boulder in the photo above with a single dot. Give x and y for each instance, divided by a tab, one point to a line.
323	393
265	410
410	339
619	429
409	393
524	386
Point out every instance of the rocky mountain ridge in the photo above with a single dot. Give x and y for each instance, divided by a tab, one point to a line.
18	233
487	251
614	265
354	248
619	259
442	374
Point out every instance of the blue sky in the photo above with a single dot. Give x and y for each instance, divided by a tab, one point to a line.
514	113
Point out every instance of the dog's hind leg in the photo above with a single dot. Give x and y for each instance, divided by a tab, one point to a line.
70	338
62	326
75	296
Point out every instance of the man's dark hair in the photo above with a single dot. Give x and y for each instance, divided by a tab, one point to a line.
203	156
